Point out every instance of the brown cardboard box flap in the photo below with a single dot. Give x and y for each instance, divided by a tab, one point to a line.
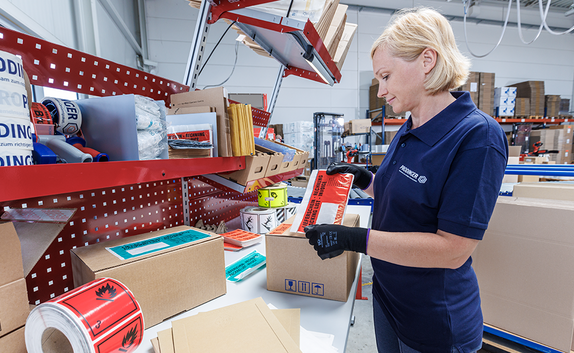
248	326
11	258
98	260
255	168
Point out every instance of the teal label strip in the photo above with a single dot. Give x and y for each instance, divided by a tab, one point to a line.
245	266
162	242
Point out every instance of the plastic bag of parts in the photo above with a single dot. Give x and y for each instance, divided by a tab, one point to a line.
152	137
148	114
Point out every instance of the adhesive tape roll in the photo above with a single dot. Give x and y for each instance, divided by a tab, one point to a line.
16	133
14	102
40	114
66	115
101	316
272	196
15	157
258	220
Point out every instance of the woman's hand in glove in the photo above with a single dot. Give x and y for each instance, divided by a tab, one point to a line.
362	177
330	240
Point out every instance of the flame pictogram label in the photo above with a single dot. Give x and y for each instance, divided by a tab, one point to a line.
102	307
125	339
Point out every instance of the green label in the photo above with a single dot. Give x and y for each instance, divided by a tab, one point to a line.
162	242
245	266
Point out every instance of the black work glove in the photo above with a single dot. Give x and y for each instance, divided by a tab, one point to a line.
330	240
362	177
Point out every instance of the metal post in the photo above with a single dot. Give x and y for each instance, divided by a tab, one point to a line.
276	89
197	46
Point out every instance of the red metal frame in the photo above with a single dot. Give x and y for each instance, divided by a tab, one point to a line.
52	65
313	38
219	7
44	180
260	117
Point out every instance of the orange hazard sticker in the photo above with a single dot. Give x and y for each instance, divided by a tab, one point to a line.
330	194
102	306
201	135
127	338
280	229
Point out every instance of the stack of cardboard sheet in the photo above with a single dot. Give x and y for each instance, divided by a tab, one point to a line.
248	326
241	121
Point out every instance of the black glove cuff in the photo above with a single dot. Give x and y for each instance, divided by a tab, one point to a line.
358	239
363	181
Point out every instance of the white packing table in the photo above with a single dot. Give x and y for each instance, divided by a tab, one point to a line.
318	315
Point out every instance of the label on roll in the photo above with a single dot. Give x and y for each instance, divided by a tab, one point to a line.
13	95
102	315
66	114
40	114
10	157
15	133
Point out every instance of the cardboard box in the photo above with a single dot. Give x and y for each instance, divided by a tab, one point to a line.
514	151
551	191
552	105
360	126
335	31
522	107
255	168
165	282
471	86
213	97
512	178
293	266
344	44
486	92
14	307
299	160
11	258
14	342
534	91
525	266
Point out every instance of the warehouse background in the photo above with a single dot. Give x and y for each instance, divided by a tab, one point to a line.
155	35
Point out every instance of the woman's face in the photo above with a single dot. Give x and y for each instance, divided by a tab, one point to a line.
401	83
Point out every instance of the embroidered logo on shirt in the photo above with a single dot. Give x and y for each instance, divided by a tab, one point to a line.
414	176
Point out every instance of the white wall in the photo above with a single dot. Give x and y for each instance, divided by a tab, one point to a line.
171	22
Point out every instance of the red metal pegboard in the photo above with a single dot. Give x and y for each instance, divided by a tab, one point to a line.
259	117
52	65
213	205
101	215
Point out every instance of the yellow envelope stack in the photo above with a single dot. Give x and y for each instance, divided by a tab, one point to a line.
241	121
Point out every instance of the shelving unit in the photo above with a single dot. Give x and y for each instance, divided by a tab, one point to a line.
111	199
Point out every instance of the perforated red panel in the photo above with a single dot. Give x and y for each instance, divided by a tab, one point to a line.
52	65
213	205
259	117
101	215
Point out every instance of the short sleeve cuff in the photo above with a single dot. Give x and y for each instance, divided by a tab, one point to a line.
463	230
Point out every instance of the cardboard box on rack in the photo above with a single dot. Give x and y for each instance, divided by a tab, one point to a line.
344	44
14	308
293	266
14	342
525	266
360	126
164	282
255	168
212	97
299	160
472	86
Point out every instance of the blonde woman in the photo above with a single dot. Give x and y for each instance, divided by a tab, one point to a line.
434	193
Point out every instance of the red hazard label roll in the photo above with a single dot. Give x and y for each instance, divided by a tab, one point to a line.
99	317
40	114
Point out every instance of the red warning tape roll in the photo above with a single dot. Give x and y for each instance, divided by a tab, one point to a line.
102	316
40	114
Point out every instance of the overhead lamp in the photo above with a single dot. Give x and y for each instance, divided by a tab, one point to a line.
318	67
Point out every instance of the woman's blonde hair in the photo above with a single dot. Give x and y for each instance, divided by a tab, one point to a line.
413	30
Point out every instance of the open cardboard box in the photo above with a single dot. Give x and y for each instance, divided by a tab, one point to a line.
299	160
166	282
14	342
255	168
293	266
276	164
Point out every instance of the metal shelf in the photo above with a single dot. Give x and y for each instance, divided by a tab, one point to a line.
294	44
44	180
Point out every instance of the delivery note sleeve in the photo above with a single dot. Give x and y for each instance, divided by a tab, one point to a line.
325	200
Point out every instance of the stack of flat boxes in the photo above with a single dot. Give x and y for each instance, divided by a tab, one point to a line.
486	92
552	105
471	86
533	90
504	101
556	137
522	107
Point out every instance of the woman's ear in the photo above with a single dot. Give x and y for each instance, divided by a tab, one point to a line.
429	57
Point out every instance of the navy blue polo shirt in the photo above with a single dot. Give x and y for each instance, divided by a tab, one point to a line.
445	174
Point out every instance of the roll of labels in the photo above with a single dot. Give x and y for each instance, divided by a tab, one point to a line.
67	117
100	317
